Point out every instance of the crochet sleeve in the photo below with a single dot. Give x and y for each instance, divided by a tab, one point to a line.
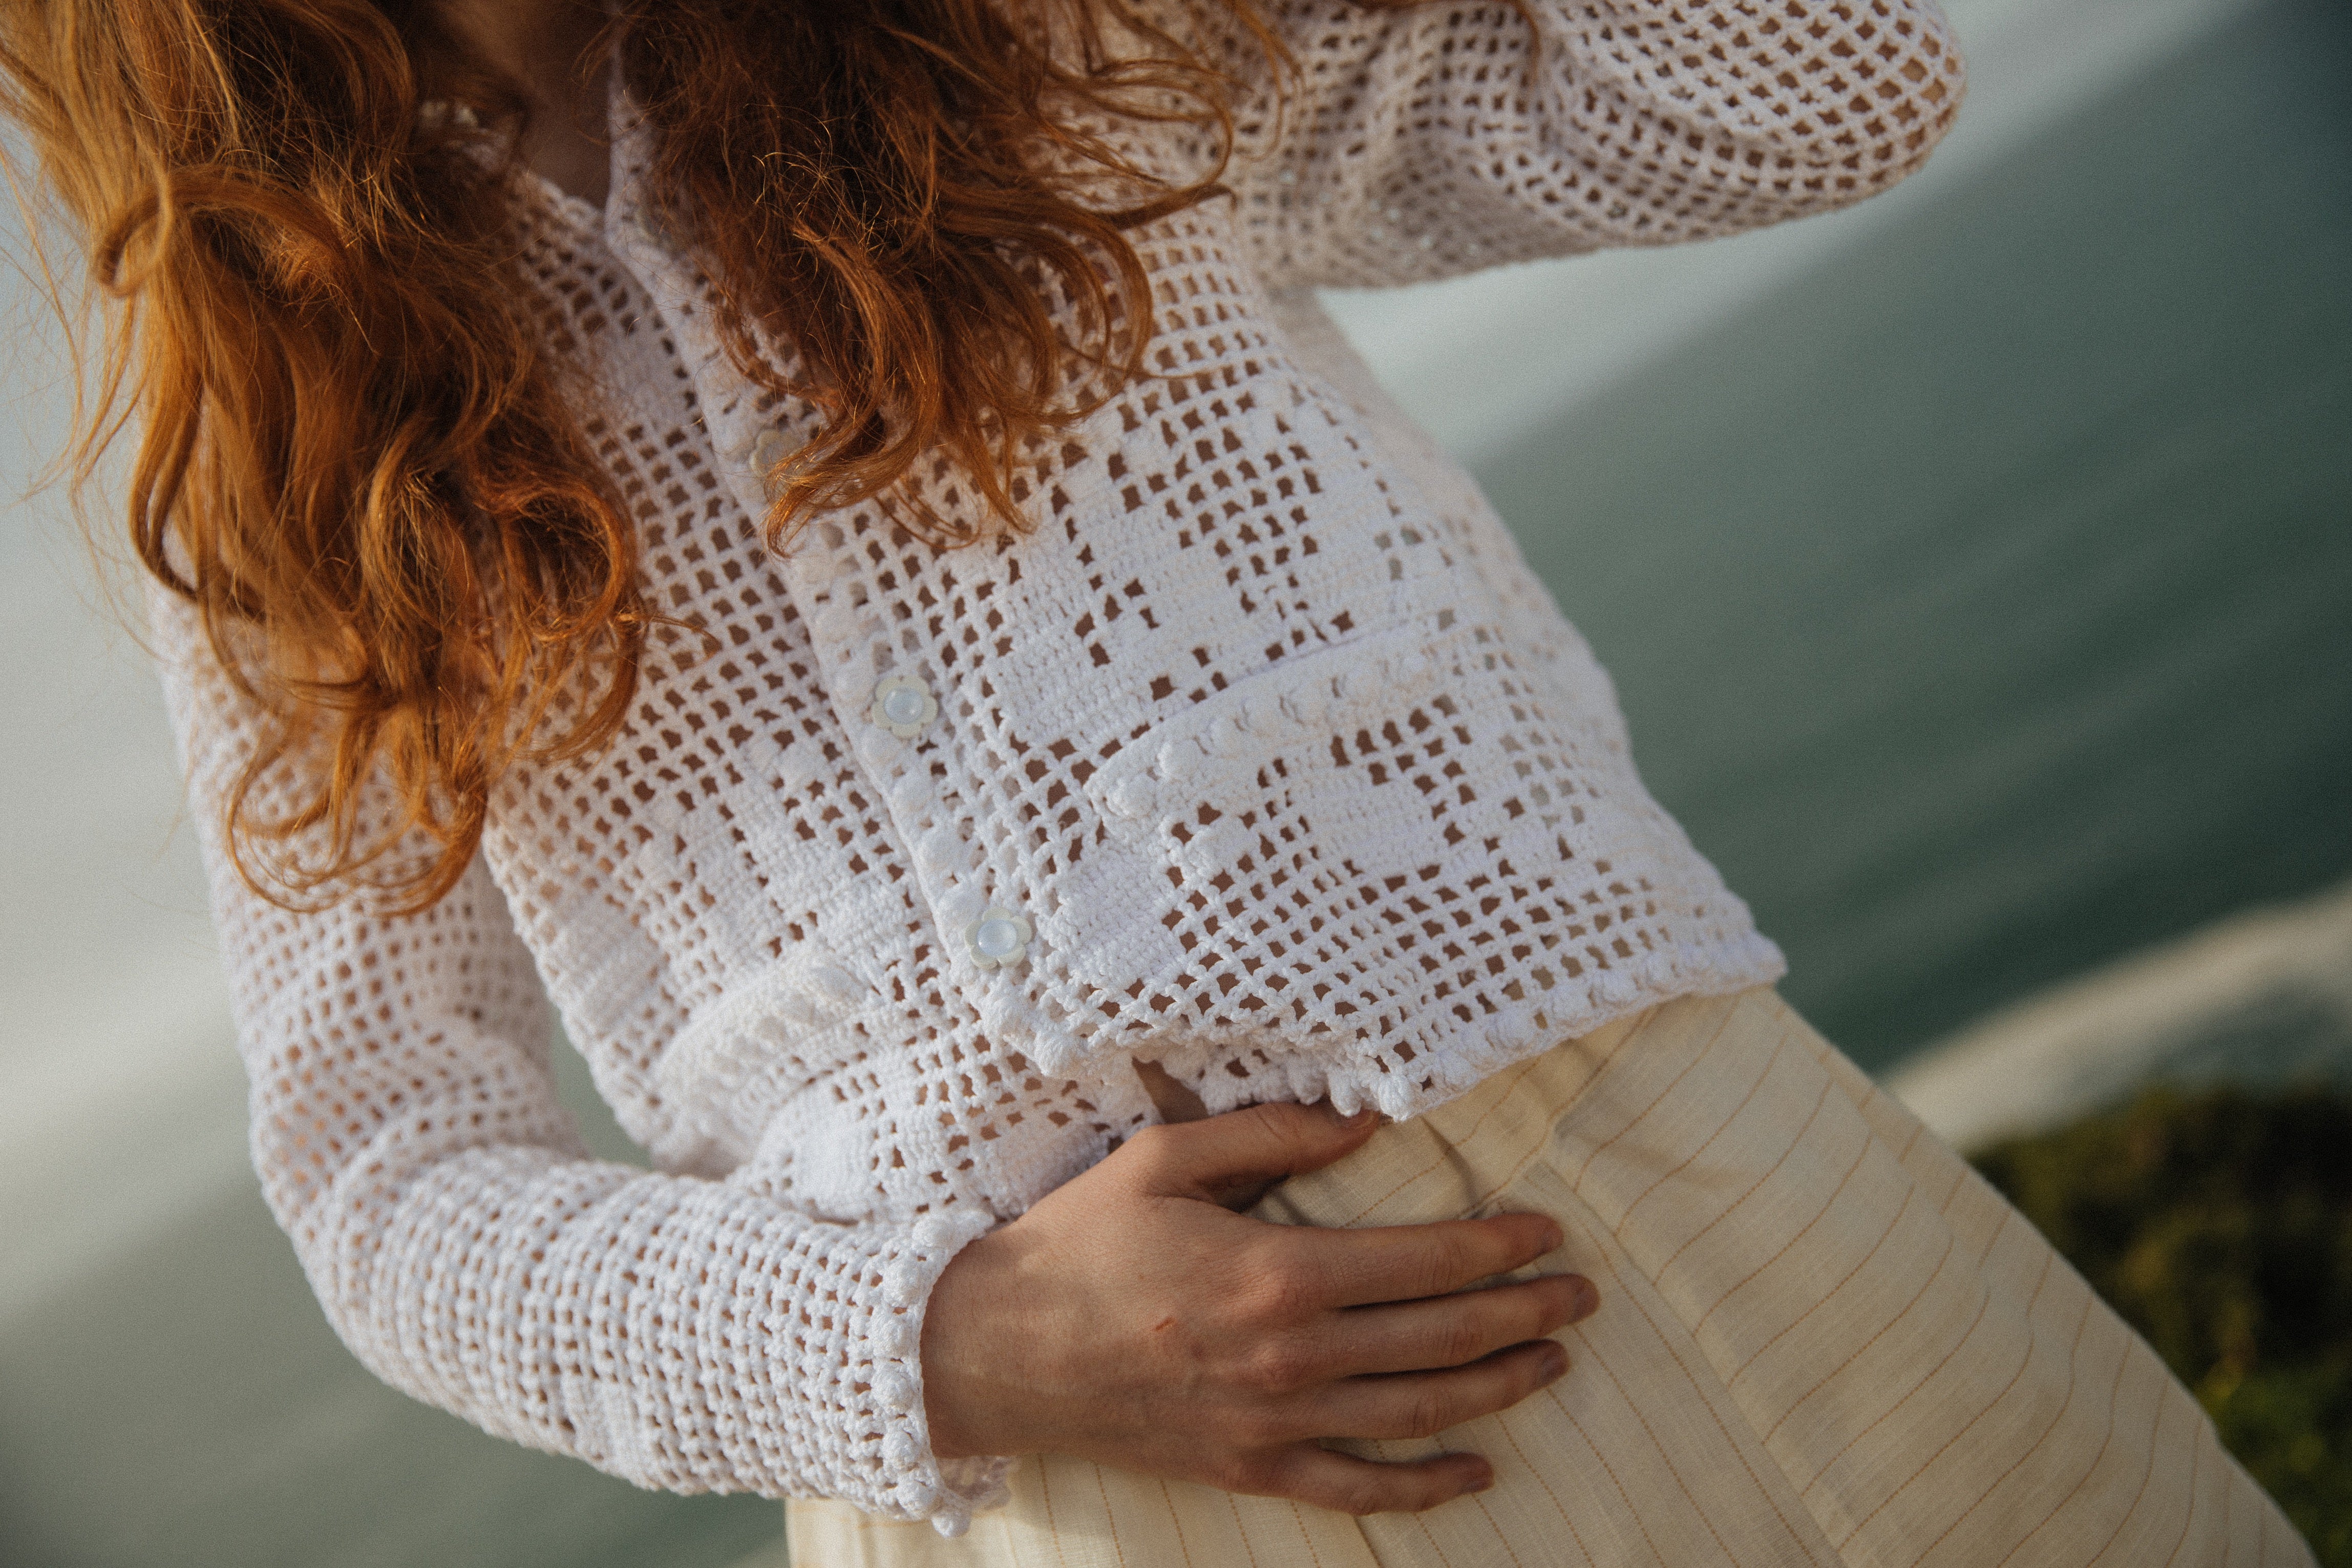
1419	141
679	1332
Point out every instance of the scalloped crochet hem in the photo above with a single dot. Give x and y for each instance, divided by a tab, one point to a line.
1347	1074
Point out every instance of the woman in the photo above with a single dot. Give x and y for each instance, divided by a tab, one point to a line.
830	541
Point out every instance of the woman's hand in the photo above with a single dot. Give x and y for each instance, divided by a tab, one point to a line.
1135	1318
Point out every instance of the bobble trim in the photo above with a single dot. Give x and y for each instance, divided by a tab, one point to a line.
1227	737
1340	1072
948	1493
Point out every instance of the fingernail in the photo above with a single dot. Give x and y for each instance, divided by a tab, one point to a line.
1583	1298
1555	1363
1556	1238
1359	1119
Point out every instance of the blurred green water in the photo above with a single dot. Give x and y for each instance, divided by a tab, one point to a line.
1982	601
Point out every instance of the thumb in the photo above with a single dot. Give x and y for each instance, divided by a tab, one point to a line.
1237	1158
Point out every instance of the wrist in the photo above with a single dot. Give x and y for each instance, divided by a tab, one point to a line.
954	1355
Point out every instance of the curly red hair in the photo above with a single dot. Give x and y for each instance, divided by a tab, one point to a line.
358	460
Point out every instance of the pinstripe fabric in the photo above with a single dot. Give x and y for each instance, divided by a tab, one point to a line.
1822	1340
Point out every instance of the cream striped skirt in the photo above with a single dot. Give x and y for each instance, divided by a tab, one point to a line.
1822	1340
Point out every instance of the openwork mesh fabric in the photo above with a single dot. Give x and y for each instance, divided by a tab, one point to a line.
1262	755
1442	137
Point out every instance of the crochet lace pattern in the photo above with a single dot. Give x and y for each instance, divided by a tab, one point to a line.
1261	756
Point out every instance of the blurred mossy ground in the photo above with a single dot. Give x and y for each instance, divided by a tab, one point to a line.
2219	1222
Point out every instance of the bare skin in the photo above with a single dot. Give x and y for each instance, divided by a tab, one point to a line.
1136	1316
545	46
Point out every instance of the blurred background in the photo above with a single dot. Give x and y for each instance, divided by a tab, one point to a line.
1976	568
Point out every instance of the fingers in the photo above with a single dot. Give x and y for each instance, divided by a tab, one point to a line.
1423	1403
1232	1159
1405	1262
1345	1484
1454	1331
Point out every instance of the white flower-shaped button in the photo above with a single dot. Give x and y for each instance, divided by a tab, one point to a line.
999	939
904	706
771	451
653	230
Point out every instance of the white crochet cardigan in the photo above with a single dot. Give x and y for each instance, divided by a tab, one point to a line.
1263	756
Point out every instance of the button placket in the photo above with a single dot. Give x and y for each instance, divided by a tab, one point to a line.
896	710
850	641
